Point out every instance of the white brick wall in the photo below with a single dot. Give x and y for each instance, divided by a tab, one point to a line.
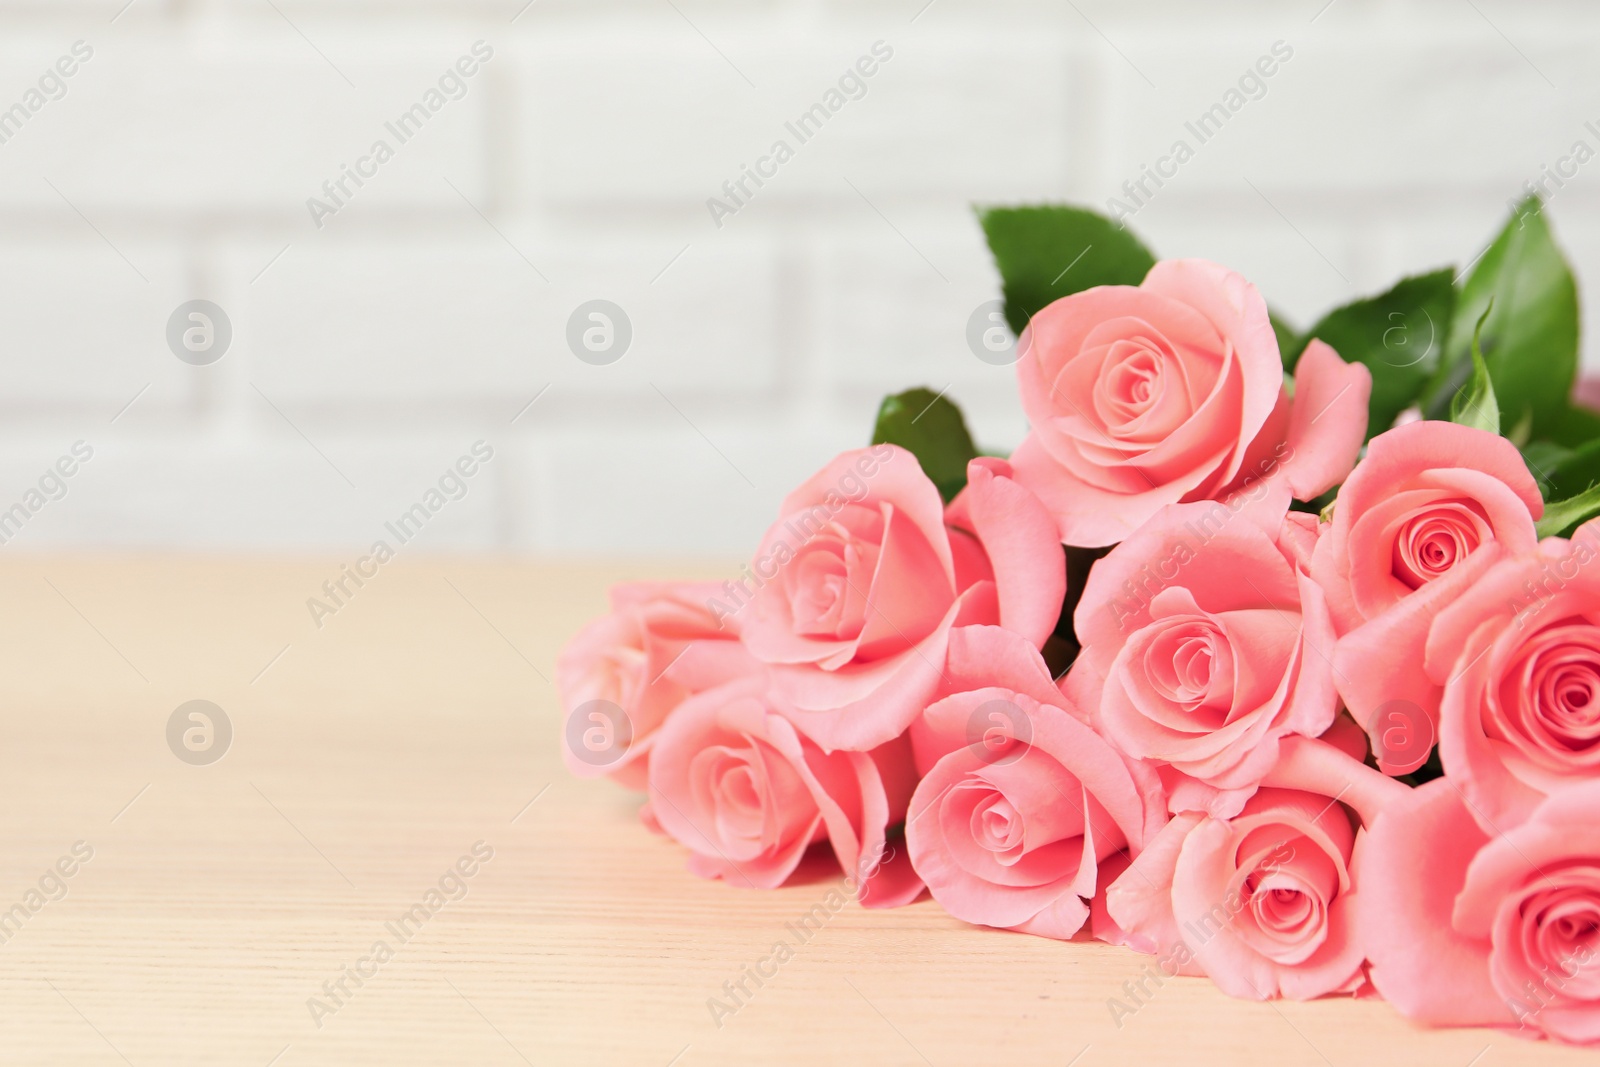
370	353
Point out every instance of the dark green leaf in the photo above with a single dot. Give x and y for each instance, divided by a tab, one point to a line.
1321	506
1532	347
1545	460
1575	426
1475	404
1563	472
1048	251
1398	335
931	428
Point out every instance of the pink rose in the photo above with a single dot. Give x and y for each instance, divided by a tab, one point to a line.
1518	656
1262	901
1205	643
1172	390
734	782
1022	800
1469	929
1423	516
1586	391
622	674
866	573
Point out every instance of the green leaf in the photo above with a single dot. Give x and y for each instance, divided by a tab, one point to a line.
1290	343
1561	516
931	428
1575	426
1563	472
1532	349
1475	404
1545	459
1048	251
1398	335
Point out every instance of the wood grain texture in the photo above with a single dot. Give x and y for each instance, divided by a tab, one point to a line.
367	757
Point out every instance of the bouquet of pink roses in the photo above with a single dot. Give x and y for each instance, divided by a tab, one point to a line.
1272	654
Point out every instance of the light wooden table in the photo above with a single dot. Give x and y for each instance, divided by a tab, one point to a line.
367	757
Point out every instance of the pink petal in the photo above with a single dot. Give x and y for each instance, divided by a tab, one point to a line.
1329	420
1409	868
1022	543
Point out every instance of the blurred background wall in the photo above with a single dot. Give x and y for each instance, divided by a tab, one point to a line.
377	337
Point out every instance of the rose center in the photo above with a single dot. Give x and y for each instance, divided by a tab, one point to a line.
1430	544
1190	664
740	800
1133	382
997	825
1558	930
1548	701
827	578
1282	910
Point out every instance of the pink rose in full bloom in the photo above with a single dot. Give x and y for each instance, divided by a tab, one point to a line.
734	782
1518	656
1021	801
1205	643
621	675
1262	902
1468	928
867	572
1172	390
1422	517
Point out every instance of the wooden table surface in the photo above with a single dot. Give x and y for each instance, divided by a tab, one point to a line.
224	903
